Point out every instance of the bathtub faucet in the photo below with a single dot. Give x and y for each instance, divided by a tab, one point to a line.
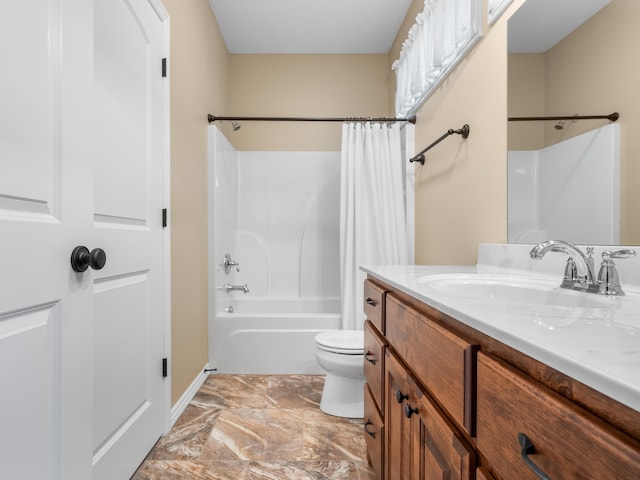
230	288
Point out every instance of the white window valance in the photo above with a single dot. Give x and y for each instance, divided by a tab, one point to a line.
495	9
442	35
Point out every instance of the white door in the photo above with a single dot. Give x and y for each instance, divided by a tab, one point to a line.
127	220
80	353
45	308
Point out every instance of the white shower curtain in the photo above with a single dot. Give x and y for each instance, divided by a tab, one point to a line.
372	213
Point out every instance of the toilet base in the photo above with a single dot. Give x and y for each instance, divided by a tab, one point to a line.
343	397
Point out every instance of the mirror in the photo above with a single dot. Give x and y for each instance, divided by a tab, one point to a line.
576	57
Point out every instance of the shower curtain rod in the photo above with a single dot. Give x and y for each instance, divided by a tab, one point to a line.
612	116
213	118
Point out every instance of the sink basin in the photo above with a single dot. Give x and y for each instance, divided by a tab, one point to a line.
511	289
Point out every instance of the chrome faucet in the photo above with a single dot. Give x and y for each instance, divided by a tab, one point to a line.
230	288
581	276
227	263
608	280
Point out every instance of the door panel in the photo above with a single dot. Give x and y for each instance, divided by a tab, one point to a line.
27	342
45	308
127	221
28	82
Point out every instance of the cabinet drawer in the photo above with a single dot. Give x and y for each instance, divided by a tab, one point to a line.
374	298
374	433
374	363
568	442
441	361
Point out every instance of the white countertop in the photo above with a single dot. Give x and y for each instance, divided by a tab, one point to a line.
597	344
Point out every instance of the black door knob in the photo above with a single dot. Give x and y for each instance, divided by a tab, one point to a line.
82	258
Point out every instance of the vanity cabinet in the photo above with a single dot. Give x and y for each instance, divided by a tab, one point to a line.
441	361
564	440
374	356
423	409
422	443
447	401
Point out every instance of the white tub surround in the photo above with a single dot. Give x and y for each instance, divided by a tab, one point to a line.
591	338
548	190
276	214
270	336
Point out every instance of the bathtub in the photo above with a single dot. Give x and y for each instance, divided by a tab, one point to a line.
270	336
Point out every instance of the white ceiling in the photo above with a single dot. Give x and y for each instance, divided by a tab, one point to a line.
309	26
539	24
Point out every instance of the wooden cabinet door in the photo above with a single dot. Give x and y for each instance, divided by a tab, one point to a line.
374	434
438	450
398	387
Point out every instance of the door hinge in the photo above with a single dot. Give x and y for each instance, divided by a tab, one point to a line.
164	67
165	367
164	218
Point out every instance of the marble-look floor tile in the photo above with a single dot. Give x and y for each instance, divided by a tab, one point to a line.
295	391
234	391
182	470
188	435
255	434
255	427
333	438
337	470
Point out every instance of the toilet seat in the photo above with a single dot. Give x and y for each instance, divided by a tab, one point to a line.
344	342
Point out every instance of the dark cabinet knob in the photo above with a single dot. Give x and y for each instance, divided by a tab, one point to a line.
408	411
82	258
400	397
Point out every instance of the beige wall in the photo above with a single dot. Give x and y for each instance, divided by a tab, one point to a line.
526	98
304	86
461	197
198	75
590	72
595	71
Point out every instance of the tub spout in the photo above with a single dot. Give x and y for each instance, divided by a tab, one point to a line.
230	288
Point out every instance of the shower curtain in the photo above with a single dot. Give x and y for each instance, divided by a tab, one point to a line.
372	214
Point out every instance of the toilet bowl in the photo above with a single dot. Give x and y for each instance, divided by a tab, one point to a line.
340	353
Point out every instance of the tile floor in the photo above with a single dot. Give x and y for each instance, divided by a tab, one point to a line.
254	427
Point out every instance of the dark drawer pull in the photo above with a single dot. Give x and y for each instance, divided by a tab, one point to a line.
370	301
400	397
371	360
369	422
529	449
408	411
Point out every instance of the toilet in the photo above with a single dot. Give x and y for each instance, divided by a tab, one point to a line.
340	353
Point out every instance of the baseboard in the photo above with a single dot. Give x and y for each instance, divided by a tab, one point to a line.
188	395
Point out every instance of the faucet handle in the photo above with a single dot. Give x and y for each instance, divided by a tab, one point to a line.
626	253
570	273
608	279
227	263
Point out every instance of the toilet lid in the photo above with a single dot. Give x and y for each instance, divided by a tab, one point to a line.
350	342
